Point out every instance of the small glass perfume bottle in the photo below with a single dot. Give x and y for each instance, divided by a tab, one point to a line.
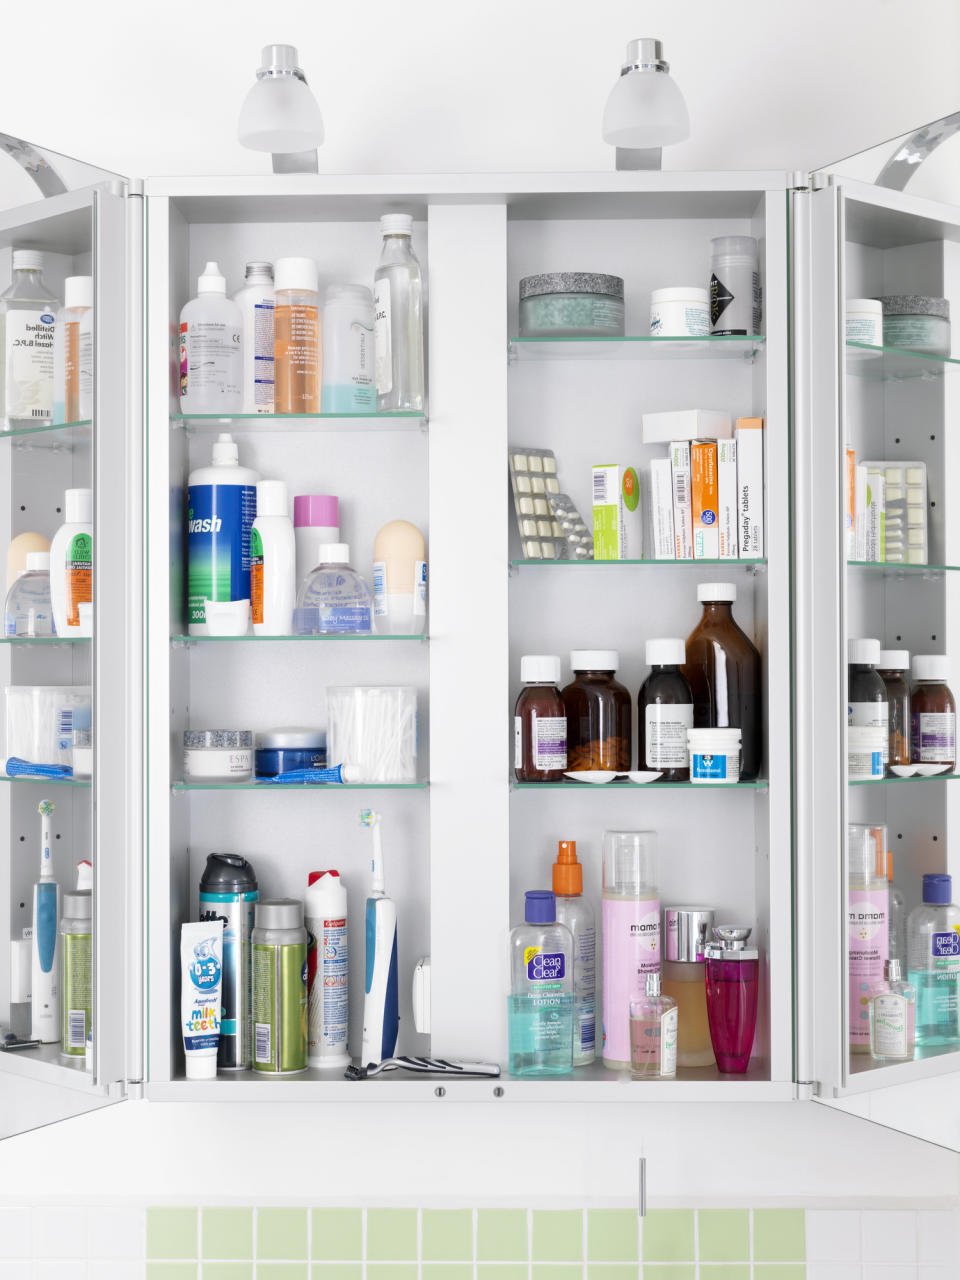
732	990
893	1014
653	1033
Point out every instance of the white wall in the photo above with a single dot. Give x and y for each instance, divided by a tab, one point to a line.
433	85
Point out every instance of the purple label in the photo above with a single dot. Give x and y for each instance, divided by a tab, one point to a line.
945	944
546	966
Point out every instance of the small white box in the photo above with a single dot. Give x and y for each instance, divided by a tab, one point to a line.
685	424
727	486
682	508
749	438
661	509
875	522
617	513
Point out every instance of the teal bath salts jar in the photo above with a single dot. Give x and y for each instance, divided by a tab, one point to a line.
571	304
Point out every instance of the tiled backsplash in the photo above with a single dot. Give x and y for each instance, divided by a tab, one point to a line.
299	1243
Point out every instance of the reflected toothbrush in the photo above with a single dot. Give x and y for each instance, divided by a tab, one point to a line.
44	1000
381	1015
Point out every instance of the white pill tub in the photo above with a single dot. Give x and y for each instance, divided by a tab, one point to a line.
865	747
714	755
218	755
864	321
683	312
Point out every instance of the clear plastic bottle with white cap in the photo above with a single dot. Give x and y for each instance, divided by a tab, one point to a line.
28	610
296	347
867	703
28	316
398	319
77	341
273	558
723	671
665	712
334	599
71	562
933	712
630	915
256	302
211	348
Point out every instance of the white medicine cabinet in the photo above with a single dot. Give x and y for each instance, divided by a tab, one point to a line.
463	842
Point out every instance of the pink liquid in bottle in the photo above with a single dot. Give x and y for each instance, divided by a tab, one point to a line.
732	971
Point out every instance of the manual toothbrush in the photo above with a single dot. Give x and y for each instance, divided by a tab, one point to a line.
45	1011
381	1015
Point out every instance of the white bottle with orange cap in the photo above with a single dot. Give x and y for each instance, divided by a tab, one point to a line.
578	915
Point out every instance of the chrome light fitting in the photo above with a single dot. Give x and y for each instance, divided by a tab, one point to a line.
645	110
280	114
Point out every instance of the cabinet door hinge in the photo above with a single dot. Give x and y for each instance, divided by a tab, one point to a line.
807	1089
121	1089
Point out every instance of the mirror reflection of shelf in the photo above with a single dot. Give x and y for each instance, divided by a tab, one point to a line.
244	424
47	782
719	347
750	566
883	782
892	569
61	436
300	788
759	784
364	638
895	364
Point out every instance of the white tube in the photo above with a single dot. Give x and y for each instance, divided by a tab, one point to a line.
201	973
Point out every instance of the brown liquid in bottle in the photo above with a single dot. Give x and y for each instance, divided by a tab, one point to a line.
898	719
539	717
723	671
933	716
296	355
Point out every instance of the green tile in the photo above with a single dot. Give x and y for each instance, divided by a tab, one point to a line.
447	1271
337	1234
783	1271
282	1233
550	1270
612	1235
171	1233
668	1236
502	1271
392	1271
281	1270
171	1271
227	1233
723	1235
778	1235
668	1273
446	1235
557	1235
336	1271
228	1271
391	1235
502	1236
725	1271
612	1271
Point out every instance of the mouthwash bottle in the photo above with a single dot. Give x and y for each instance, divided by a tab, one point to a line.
540	1004
933	952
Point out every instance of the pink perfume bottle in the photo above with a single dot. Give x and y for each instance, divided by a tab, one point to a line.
732	979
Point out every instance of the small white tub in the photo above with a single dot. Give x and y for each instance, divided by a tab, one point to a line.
714	755
865	744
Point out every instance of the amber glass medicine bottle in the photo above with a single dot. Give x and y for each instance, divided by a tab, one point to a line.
540	721
866	692
891	666
933	712
723	672
665	713
598	713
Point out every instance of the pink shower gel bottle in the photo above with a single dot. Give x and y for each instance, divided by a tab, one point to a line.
732	988
630	916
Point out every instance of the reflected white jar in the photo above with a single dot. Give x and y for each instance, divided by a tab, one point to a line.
864	321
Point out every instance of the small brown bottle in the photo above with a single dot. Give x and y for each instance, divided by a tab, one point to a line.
598	713
933	712
665	712
891	666
540	721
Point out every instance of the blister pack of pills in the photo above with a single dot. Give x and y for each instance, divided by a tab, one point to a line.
533	478
904	511
578	537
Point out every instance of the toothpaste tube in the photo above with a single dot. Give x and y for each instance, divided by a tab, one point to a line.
339	773
201	976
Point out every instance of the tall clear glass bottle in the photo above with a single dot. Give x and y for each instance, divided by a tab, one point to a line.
398	319
28	322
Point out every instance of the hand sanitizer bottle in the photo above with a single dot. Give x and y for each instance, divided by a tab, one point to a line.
893	1012
933	951
653	1033
540	1004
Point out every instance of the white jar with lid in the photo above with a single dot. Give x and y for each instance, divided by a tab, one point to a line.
683	312
348	351
864	322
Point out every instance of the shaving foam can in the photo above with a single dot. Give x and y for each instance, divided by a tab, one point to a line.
279	987
229	892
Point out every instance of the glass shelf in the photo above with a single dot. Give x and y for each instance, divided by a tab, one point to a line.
49	435
753	566
891	569
894	364
247	423
721	347
623	784
48	782
893	779
297	788
48	640
188	640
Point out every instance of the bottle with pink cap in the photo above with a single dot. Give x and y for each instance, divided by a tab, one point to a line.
316	522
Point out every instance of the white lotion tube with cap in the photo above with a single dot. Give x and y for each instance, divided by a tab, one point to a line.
399	580
201	976
71	562
273	555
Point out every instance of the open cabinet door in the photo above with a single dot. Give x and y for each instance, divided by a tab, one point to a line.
899	584
86	711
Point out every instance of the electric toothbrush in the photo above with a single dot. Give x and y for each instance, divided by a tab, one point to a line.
381	1013
44	998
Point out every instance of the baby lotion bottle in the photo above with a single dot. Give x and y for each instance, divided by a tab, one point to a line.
211	354
71	562
578	915
400	579
868	912
686	930
540	1004
273	556
296	346
653	1032
631	933
933	950
255	301
893	1011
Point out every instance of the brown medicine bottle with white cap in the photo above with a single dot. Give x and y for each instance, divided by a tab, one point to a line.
540	721
723	671
933	712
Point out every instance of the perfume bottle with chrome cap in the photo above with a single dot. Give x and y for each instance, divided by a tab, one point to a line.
732	981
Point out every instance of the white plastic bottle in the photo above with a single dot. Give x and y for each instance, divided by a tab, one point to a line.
221	508
316	522
28	313
578	915
273	555
211	352
255	301
77	324
71	562
325	905
398	319
400	579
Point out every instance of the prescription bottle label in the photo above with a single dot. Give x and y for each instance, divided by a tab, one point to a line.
256	576
79	571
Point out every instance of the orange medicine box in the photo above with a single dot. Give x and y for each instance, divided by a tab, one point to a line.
705	500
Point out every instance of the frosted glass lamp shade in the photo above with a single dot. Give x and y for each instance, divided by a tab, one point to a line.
645	109
280	114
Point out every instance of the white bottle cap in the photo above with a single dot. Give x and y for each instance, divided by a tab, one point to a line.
78	291
665	653
894	659
864	652
38	562
27	260
358	294
396	224
225	451
211	281
710	591
540	668
272	498
295	273
333	553
78	505
931	666
201	1068
594	659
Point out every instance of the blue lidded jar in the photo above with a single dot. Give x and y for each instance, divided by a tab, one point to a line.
283	750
